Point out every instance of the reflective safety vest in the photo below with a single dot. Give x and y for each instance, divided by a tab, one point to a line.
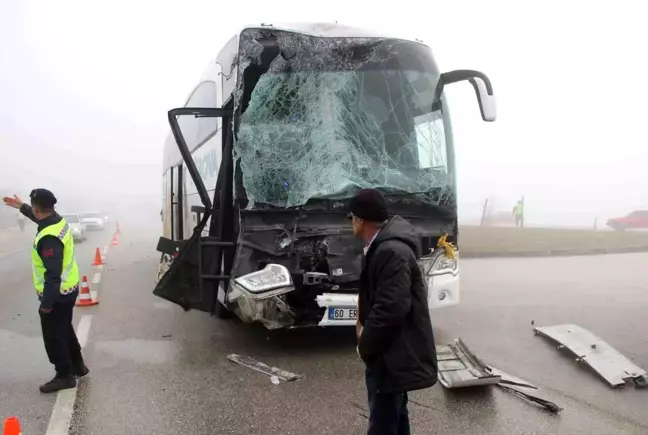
519	209
70	275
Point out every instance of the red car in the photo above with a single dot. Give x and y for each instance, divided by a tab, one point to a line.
638	219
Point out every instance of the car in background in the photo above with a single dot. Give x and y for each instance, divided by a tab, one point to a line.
76	225
636	220
93	220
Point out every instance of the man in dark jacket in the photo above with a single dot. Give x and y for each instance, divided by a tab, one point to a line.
395	338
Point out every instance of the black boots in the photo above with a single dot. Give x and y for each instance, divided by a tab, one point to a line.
58	383
80	370
65	382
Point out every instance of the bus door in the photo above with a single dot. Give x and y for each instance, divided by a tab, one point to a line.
167	204
177	192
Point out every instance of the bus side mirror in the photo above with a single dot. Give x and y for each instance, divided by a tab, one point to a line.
486	100
481	84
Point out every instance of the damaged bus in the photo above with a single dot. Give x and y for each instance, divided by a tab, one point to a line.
285	126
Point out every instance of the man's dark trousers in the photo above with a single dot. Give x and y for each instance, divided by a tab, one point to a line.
61	343
387	412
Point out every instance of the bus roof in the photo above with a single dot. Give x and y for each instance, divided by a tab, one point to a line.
327	30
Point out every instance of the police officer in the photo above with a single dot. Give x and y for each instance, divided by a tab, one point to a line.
56	279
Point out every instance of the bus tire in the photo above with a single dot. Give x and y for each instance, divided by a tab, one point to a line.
221	311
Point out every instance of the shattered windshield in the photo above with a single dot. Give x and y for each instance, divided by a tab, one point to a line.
324	117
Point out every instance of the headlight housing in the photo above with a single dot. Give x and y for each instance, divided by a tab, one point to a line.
272	280
438	263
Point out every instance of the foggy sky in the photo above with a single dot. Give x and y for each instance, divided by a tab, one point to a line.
85	86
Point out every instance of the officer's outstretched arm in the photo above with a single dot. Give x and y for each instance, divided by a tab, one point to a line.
28	212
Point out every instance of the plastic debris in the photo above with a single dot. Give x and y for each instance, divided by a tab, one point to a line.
260	367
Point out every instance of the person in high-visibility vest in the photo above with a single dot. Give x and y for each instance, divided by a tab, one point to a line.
56	280
518	213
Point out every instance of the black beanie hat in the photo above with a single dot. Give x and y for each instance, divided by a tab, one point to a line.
370	205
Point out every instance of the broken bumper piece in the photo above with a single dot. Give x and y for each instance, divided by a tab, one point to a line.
260	297
610	364
459	367
341	309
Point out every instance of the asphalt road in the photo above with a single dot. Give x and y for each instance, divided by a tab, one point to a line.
23	361
158	370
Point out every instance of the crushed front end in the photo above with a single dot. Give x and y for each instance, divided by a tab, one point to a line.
295	269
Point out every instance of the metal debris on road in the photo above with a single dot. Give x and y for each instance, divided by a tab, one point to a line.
459	367
524	389
253	364
610	364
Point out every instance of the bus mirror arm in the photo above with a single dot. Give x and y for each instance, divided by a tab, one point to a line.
479	81
198	112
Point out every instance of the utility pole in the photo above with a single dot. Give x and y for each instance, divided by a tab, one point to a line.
483	218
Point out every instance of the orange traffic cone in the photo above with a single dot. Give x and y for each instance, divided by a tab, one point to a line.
85	298
11	426
115	242
97	260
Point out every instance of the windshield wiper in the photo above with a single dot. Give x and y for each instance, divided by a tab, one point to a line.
435	202
313	204
436	192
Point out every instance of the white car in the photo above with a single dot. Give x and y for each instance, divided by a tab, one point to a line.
93	220
77	227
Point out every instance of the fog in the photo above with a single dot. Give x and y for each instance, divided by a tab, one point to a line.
85	87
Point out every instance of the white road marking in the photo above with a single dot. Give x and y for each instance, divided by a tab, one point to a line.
61	418
83	328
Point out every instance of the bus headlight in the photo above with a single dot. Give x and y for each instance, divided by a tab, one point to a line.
272	280
441	276
439	264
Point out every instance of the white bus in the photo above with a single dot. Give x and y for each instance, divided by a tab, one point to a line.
285	125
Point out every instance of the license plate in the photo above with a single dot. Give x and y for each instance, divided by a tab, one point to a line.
343	313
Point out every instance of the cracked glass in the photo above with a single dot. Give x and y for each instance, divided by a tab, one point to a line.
325	117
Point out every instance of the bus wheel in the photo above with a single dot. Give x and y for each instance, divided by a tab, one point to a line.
221	311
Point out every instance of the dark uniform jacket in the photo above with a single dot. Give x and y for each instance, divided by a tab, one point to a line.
50	250
397	342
